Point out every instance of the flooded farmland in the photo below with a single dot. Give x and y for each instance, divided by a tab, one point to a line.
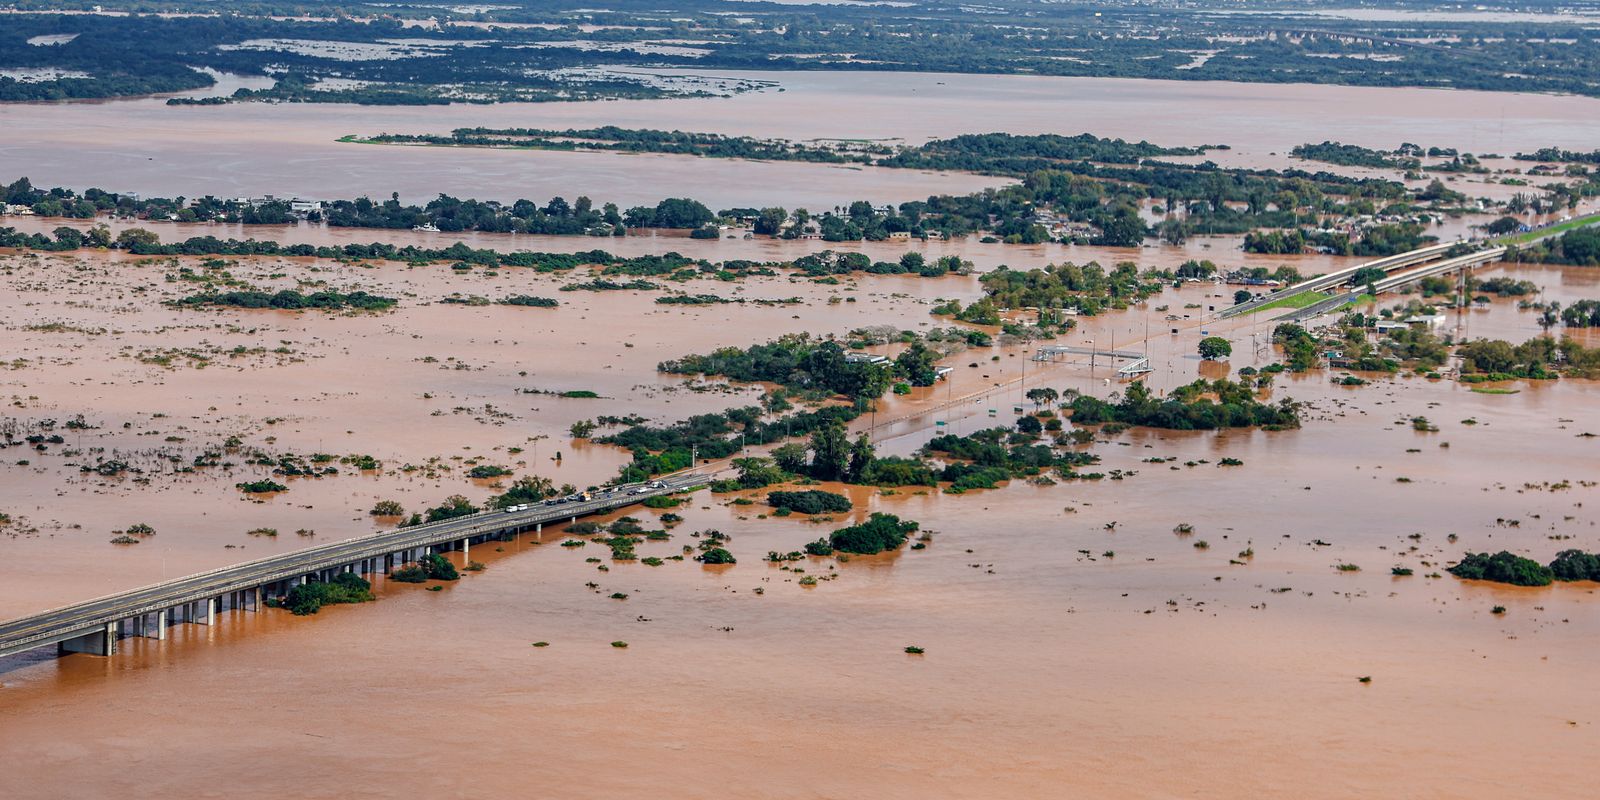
148	147
1181	626
1071	638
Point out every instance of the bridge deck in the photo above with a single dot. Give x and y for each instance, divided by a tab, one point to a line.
1397	261
1393	282
1060	349
60	624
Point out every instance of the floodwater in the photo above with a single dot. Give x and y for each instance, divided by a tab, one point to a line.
1065	655
1075	644
733	245
148	147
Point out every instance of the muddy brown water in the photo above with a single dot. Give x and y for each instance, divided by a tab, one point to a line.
1051	668
148	147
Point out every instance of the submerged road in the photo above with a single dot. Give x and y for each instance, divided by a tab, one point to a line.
371	553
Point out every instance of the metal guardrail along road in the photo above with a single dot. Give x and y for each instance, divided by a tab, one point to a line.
365	553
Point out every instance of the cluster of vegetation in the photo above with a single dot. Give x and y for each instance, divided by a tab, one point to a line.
1580	314
810	501
530	301
829	263
660	449
879	533
1577	247
291	300
983	459
1350	155
1505	567
1375	241
1298	344
1089	289
990	153
611	138
309	598
263	486
716	555
431	567
140	241
1537	358
808	365
1558	154
1202	405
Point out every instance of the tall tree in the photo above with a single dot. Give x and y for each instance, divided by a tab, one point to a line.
830	454
861	458
916	364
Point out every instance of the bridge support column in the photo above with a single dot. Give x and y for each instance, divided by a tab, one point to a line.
465	544
208	611
161	625
100	642
538	527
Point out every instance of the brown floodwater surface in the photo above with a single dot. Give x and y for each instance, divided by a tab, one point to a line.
1065	655
251	149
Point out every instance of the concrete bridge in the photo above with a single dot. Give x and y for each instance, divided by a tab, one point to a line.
94	626
1395	281
1434	260
1339	277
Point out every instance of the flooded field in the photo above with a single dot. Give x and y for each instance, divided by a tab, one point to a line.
1064	654
290	149
1078	639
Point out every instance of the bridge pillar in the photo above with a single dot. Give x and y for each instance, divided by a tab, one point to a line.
161	625
208	611
538	527
465	544
101	642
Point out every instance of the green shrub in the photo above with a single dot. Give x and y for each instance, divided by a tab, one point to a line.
387	508
1570	565
879	533
410	573
346	587
261	487
717	555
1502	567
811	501
439	568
